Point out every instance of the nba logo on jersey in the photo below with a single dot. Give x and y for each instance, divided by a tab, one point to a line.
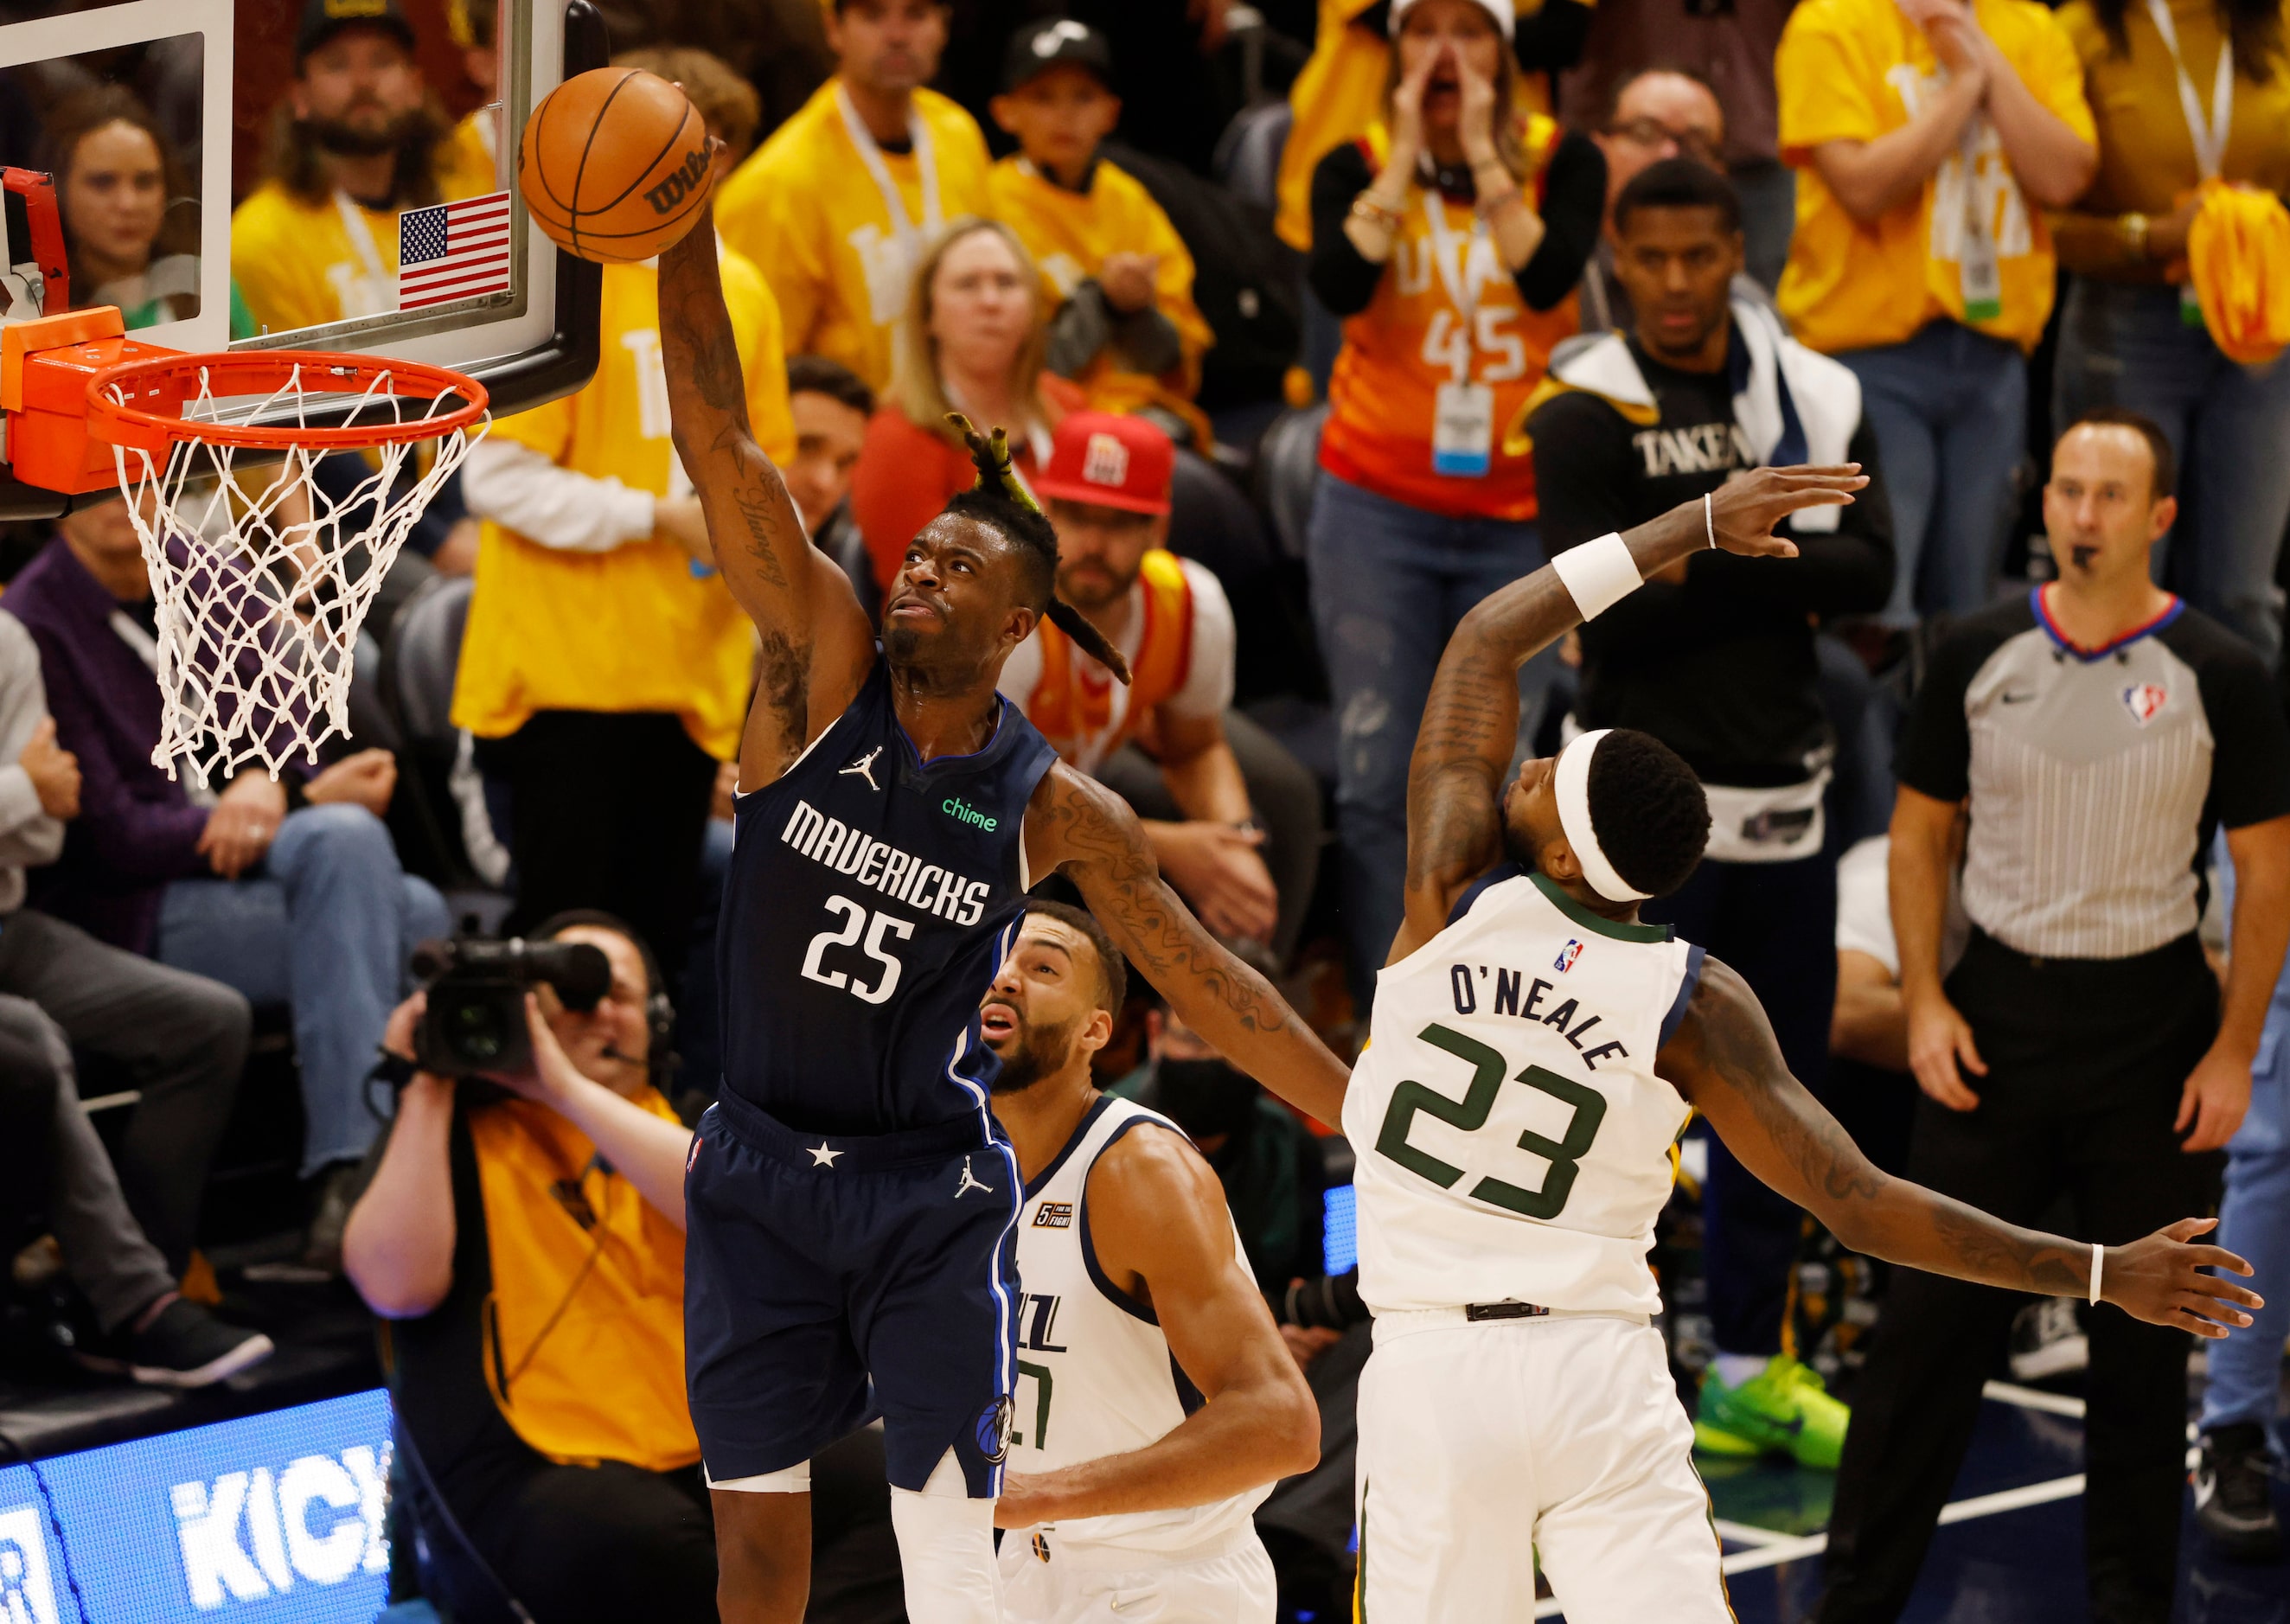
27	1593
2145	700
1106	460
1567	955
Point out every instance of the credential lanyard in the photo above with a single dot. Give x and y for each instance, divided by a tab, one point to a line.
902	225
377	279
2209	135
1452	251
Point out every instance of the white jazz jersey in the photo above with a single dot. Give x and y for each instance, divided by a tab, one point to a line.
1095	1373
1514	1142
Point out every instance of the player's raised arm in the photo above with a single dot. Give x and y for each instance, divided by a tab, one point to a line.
816	640
1724	1059
1077	825
1470	722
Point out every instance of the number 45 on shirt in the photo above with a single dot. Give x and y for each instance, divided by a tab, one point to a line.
1447	345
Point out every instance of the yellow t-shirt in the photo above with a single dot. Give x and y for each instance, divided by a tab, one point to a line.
805	208
631	629
303	264
1069	234
1854	70
468	164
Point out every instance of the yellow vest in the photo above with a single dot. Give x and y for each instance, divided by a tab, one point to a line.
303	264
584	1328
1070	235
631	629
1072	704
805	209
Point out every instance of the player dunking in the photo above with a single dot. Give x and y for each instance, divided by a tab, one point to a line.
1536	1052
851	1200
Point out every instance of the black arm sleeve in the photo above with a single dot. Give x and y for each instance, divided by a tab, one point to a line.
2250	762
1573	203
1344	277
1582	479
1849	571
1936	754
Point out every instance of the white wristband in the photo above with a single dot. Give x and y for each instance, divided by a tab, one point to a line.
1598	574
1708	522
2098	1259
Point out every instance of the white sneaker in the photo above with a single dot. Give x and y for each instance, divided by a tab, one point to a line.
2047	1340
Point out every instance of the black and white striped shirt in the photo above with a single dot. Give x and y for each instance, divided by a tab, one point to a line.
2094	776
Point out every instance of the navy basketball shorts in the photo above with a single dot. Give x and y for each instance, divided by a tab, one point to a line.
830	1280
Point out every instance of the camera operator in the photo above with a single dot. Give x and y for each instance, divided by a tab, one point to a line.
523	1235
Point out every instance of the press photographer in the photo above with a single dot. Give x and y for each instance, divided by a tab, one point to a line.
522	1237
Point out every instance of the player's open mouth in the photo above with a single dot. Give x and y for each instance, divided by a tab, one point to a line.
915	609
997	1020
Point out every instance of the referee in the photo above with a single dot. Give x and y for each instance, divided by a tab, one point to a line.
2097	730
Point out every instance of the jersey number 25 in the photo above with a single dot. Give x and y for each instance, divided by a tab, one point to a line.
1471	1114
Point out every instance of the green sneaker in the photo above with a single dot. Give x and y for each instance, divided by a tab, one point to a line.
1783	1410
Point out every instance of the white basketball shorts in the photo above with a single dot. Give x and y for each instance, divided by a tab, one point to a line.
1483	1444
1232	1586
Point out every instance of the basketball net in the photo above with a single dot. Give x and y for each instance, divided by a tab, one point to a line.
262	580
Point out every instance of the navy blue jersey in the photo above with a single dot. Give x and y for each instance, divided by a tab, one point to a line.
863	921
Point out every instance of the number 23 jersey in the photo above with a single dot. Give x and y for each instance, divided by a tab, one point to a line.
1514	1142
865	914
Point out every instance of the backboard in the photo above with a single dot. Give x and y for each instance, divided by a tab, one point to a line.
307	175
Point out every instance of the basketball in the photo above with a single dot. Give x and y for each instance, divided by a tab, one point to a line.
613	164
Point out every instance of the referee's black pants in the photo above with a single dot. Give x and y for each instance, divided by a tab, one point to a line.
2085	1059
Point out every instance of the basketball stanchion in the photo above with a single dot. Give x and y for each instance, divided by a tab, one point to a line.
261	578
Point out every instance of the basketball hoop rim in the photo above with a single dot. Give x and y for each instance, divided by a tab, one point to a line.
265	372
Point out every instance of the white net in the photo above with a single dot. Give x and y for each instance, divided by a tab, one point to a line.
262	576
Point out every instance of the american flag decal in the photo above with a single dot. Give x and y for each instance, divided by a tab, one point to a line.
452	250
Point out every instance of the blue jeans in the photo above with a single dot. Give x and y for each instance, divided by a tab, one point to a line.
1950	407
1390	582
2246	1365
323	926
2123	345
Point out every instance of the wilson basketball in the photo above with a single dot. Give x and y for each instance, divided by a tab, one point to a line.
613	164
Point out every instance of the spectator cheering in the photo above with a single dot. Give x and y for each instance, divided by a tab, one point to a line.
1168	741
1416	519
123	1226
1928	135
288	890
1716	659
2184	96
357	138
1659	114
605	665
1127	329
528	1245
840	254
131	214
2093	731
976	333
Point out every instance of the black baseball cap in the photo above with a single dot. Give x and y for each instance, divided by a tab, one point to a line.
321	19
1038	47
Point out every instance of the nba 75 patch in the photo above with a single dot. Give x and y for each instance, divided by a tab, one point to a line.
2145	702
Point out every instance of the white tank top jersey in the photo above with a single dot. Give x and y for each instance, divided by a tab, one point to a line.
1095	1376
1514	1144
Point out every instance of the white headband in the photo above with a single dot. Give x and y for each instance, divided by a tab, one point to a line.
1570	783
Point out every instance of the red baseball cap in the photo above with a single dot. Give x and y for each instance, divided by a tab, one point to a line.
1111	460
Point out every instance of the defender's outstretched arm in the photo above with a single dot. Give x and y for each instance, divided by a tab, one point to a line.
815	641
1724	1059
1077	825
1470	722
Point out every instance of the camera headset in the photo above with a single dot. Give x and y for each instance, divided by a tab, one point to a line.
660	1011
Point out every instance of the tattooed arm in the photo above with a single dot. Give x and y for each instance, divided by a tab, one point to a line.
1724	1059
1076	825
1470	724
815	644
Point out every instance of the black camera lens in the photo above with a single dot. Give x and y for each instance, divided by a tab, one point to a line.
477	1032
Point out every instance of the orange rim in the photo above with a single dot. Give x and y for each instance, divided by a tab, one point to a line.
150	394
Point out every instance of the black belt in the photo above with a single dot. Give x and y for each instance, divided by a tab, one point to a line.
1510	1310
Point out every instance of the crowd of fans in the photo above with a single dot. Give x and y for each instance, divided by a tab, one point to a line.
1543	275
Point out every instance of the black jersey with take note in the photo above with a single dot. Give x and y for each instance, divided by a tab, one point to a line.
866	911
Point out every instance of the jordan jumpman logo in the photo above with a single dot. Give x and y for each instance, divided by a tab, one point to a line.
970	1182
864	767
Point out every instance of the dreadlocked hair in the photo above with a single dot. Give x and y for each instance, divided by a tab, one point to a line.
1000	499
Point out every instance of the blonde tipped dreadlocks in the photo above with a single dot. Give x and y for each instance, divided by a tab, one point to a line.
1000	498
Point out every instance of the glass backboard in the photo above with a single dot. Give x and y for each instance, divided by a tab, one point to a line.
312	174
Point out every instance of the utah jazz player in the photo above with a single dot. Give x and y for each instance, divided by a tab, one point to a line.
1535	1052
851	1200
